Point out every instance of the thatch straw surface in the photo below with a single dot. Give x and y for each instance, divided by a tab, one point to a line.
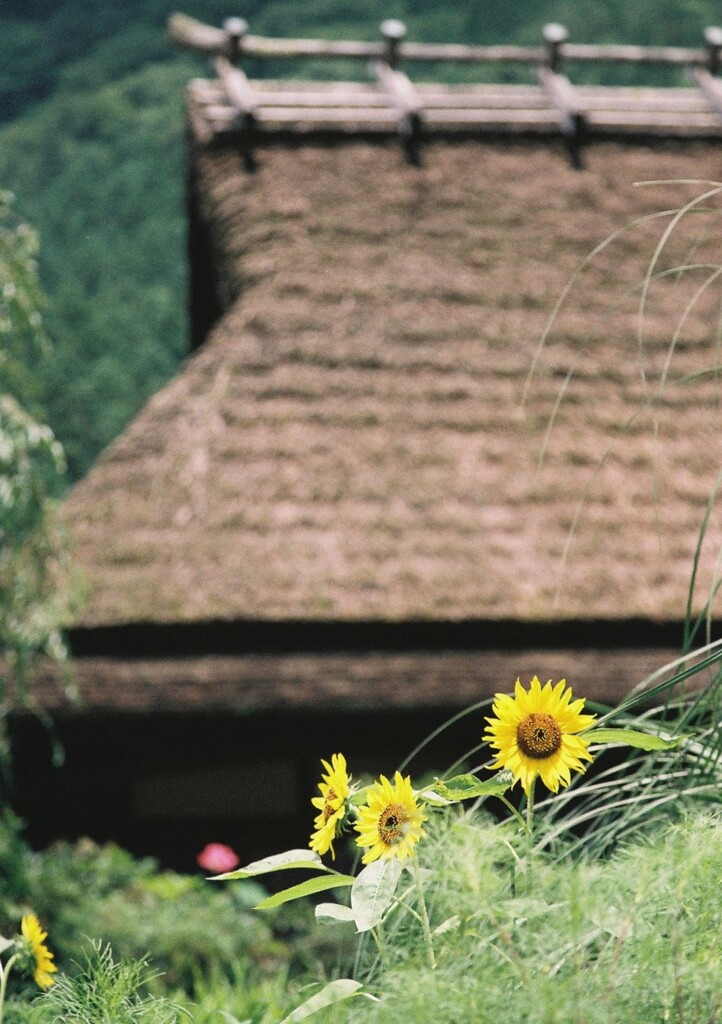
342	683
352	441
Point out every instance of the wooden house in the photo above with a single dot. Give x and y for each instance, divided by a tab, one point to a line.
393	476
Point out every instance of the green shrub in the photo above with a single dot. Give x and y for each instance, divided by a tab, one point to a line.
185	926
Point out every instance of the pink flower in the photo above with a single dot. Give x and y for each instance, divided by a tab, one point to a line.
218	857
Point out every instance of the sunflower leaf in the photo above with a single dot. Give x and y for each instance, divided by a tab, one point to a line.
632	738
318	884
291	859
358	796
333	912
334	992
466	787
373	892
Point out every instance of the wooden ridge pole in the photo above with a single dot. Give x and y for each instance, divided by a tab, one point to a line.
192	34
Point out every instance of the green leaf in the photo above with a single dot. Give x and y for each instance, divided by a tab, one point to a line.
5	943
358	797
373	892
467	787
333	912
318	884
334	992
632	738
291	859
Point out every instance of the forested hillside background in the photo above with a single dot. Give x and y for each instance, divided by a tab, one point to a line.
91	143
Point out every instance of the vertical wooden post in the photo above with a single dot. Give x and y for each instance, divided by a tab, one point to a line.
713	39
555	35
392	31
237	87
561	93
399	89
235	29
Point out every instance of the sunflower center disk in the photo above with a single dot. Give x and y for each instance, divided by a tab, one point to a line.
538	736
392	824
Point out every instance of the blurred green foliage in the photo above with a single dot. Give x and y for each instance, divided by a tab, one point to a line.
91	142
32	549
187	927
102	174
200	940
22	335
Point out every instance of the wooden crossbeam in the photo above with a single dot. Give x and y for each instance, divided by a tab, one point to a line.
191	34
704	77
399	90
564	98
572	118
237	87
710	86
405	100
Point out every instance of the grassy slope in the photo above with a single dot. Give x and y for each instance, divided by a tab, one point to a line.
631	939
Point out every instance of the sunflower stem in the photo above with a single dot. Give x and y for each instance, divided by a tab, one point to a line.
426	928
529	836
378	941
4	974
409	910
515	813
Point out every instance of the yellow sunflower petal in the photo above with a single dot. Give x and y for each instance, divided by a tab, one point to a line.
35	937
389	823
332	804
535	733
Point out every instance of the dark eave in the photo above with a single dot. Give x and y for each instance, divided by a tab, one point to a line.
149	640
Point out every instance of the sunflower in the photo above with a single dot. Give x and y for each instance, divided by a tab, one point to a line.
534	733
40	957
389	824
332	805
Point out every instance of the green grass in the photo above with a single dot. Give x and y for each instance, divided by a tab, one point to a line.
626	938
630	938
103	990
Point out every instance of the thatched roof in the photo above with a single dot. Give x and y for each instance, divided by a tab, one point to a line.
337	682
354	440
